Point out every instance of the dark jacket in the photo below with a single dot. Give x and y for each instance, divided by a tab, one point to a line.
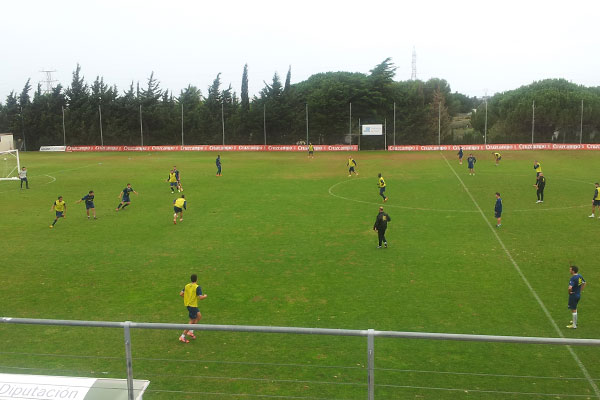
541	182
381	221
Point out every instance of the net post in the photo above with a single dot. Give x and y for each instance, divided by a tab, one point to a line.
371	364
127	337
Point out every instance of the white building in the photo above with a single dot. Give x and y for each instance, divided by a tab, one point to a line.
6	141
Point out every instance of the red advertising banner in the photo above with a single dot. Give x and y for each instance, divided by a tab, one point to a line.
335	147
497	147
341	147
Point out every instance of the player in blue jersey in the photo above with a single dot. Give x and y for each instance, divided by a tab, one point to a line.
498	210
124	196
576	285
460	155
218	164
89	203
471	160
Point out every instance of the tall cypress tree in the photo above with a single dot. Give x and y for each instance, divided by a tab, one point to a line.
288	79
245	99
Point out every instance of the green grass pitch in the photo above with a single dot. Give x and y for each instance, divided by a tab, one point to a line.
284	240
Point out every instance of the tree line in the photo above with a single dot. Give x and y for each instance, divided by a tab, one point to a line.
331	103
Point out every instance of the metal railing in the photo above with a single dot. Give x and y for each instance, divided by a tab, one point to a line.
370	334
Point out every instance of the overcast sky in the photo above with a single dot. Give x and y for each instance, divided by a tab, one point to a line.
474	45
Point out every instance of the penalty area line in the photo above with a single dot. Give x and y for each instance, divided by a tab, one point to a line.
582	367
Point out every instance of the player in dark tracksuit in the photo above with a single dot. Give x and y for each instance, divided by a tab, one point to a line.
218	163
498	210
381	225
540	185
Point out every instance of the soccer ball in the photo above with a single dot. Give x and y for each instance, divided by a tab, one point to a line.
4	158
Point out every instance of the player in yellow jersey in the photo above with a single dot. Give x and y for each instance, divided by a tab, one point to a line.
178	206
179	187
596	200
311	150
381	186
351	166
191	293
497	157
172	179
537	167
61	210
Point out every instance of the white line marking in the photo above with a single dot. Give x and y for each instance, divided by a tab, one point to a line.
52	181
526	281
466	391
434	209
387	205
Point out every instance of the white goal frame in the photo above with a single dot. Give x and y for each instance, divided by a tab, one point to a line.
15	155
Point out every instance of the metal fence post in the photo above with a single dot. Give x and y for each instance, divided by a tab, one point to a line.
371	363
129	360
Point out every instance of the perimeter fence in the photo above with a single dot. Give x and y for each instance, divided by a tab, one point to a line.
235	361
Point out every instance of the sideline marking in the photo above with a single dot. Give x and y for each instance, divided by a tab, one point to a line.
526	281
434	209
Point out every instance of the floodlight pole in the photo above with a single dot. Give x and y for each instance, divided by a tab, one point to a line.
141	127
359	134
532	121
100	114
23	128
385	133
223	120
485	127
439	123
350	124
307	124
394	141
64	131
265	122
182	123
581	124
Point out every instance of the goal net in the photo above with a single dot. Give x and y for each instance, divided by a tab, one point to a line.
9	165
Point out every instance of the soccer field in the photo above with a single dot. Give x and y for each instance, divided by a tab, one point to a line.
283	240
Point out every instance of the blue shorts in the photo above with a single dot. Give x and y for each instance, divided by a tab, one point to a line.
23	179
381	190
471	166
59	214
193	312
177	209
351	169
126	200
573	300
498	214
89	205
173	183
597	202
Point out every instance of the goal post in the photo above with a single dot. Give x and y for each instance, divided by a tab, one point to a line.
10	165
